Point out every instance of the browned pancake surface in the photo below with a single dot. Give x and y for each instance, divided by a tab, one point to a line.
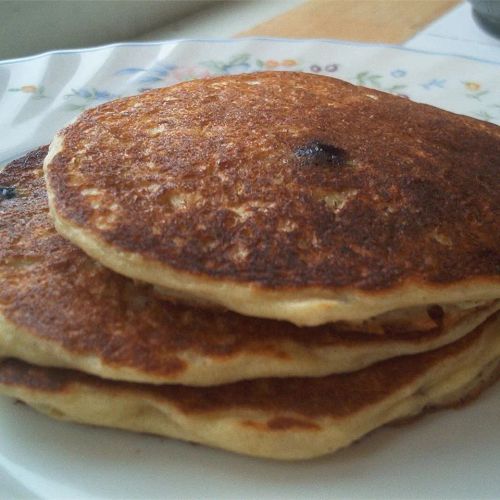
53	290
334	396
287	180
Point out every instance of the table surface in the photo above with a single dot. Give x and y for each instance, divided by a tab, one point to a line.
387	21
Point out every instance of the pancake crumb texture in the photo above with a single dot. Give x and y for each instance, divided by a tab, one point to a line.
60	308
285	419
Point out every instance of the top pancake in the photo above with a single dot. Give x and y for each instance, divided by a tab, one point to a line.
284	195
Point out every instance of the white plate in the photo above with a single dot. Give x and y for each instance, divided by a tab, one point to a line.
450	454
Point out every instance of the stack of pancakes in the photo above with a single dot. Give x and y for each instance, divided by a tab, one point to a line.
274	264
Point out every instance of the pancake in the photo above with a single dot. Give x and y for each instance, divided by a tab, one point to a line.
284	195
292	418
59	308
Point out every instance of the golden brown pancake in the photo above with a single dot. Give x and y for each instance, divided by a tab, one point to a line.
291	418
60	308
284	195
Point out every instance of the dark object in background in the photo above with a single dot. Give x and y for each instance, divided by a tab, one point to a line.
486	13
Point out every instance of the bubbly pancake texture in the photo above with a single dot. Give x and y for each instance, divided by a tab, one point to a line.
60	308
284	195
292	418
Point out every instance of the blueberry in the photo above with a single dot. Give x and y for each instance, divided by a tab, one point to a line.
6	193
316	152
436	313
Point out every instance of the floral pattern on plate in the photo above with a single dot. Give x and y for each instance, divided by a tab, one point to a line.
41	94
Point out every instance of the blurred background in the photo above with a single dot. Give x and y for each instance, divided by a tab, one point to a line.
33	26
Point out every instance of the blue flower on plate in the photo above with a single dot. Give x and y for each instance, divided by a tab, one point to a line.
83	97
434	83
398	73
331	68
102	95
156	73
235	64
83	93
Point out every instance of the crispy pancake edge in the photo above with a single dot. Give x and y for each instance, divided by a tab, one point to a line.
266	418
